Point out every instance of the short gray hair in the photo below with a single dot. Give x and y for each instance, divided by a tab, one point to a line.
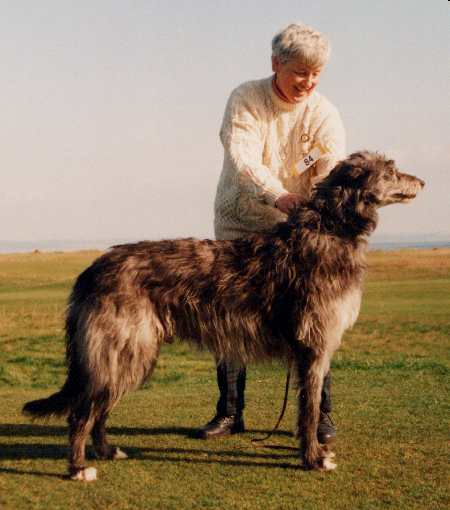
301	42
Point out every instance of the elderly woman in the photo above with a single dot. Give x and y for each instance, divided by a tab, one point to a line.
280	137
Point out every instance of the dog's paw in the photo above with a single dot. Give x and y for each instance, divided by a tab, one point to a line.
85	475
326	452
110	453
119	454
327	464
320	460
322	464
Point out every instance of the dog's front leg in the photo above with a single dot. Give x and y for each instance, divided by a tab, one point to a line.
312	368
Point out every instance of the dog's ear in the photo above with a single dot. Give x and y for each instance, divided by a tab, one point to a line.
354	171
369	198
349	175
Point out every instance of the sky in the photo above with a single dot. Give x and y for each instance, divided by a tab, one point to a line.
110	110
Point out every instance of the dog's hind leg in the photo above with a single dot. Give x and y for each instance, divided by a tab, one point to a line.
312	367
133	374
103	449
81	421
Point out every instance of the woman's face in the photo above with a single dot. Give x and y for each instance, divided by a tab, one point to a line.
295	80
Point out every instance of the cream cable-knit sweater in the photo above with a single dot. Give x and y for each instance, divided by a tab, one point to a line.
263	143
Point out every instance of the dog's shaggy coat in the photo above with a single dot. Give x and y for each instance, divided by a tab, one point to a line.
290	294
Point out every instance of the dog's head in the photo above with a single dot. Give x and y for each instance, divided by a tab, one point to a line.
375	179
358	186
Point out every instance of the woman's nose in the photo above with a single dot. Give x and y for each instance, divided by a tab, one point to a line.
309	80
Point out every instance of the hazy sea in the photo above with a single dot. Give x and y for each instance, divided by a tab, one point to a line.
64	245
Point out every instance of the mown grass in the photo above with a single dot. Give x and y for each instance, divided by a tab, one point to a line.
390	393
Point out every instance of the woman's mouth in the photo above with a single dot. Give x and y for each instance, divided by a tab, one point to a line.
303	90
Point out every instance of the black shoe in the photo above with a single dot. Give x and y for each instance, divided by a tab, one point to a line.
221	426
326	431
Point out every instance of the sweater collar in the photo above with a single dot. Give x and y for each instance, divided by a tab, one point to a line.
280	103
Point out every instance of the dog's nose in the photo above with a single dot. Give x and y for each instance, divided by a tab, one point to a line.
422	183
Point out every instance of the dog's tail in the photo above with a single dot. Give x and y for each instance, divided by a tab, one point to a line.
75	389
61	402
58	404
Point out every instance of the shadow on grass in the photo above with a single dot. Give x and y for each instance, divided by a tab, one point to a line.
56	452
254	463
262	455
234	457
12	471
36	430
18	451
31	430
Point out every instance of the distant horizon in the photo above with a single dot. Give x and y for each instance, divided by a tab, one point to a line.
377	237
51	245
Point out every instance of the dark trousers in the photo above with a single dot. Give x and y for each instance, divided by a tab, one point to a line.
231	381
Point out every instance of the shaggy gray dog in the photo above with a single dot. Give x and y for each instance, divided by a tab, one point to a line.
289	294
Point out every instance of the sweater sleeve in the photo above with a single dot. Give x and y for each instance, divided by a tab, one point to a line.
331	136
243	141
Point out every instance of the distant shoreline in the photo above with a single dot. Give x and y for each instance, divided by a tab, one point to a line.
67	246
391	245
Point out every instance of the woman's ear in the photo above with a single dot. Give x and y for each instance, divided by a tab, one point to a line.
275	64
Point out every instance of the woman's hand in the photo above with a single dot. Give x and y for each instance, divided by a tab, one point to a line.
287	202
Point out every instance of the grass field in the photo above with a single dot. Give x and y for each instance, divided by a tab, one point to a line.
390	395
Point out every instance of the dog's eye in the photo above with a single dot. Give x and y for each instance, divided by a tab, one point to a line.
390	173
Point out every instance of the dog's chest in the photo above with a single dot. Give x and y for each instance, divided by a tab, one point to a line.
345	311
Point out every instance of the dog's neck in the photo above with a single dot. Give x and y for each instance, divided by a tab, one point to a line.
338	212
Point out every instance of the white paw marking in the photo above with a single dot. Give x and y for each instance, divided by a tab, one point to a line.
90	474
85	475
119	454
328	465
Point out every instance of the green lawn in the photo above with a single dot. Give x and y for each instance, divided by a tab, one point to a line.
390	384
